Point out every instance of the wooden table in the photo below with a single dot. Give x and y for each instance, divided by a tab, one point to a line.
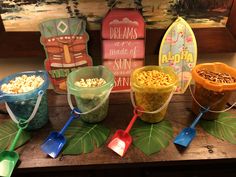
194	161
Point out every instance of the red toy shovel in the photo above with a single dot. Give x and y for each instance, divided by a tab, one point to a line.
121	141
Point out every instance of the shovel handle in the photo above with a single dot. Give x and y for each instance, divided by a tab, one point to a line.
131	123
13	144
202	111
67	124
74	114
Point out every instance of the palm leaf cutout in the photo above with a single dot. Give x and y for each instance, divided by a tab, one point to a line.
8	130
151	138
83	137
223	128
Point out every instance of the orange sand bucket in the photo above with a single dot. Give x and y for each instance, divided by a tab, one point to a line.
213	82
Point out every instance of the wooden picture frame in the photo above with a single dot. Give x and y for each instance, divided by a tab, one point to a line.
209	40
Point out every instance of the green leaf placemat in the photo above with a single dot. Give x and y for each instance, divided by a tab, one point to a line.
223	128
83	137
151	138
8	130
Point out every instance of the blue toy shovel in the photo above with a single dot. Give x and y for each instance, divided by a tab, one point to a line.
56	141
185	137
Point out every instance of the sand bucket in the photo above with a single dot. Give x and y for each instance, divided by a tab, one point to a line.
92	101
214	84
30	106
149	96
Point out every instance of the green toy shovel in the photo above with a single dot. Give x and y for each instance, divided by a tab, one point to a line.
8	159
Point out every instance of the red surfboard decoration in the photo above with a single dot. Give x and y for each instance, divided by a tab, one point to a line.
123	44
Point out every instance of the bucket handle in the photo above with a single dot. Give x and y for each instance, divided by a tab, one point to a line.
156	111
87	112
2	97
191	92
13	117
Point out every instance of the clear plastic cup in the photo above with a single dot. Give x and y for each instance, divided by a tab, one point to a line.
92	101
152	98
210	94
22	105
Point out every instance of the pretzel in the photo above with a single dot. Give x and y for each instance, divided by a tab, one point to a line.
216	76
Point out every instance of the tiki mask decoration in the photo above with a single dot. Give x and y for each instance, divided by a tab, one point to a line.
65	43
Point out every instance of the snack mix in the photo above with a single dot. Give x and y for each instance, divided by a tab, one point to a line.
153	78
216	77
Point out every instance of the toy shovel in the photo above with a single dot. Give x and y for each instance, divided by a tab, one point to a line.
56	141
8	159
185	137
121	141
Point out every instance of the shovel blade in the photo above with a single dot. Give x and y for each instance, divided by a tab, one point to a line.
120	142
53	144
185	137
8	160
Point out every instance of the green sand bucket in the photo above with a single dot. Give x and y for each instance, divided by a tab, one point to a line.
92	101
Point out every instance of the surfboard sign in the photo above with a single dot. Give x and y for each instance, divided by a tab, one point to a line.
179	50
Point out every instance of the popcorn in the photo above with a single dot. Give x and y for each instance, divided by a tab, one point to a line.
153	78
22	84
94	82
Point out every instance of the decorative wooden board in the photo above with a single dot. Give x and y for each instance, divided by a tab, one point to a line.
65	43
179	50
123	44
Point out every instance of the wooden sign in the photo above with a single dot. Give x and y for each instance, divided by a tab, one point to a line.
179	51
65	43
123	44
